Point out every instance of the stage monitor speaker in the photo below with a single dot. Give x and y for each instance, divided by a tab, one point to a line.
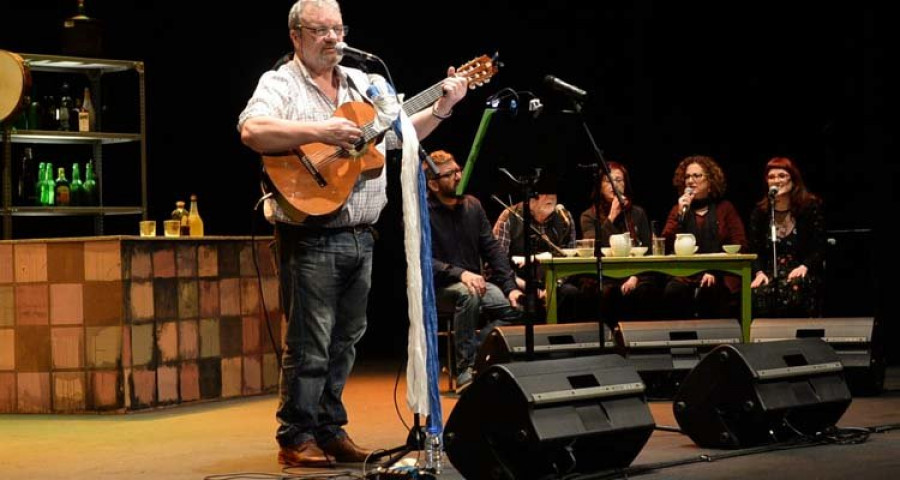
752	394
507	343
546	418
664	351
855	340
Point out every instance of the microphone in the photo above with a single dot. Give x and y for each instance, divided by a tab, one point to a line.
346	50
564	87
432	167
684	209
561	211
773	191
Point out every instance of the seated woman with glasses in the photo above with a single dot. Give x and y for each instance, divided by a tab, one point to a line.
799	245
631	298
702	211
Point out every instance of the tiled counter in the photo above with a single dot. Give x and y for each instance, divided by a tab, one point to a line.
116	324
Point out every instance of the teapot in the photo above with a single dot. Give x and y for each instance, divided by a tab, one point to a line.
685	244
620	244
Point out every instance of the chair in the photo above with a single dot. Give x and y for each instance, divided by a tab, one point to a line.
445	330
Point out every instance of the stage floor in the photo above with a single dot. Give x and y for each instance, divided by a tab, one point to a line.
234	438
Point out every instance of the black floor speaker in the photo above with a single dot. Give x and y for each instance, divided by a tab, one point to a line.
752	394
507	343
855	339
664	351
531	420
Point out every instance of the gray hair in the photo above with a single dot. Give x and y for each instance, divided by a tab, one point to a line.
301	5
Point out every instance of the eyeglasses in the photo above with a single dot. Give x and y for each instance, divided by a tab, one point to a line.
448	173
695	176
779	176
320	32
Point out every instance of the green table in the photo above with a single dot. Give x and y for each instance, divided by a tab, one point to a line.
622	267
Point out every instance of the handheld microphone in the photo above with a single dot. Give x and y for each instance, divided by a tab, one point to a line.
346	50
564	87
685	207
773	192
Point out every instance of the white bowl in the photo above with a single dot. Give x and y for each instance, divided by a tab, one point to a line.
686	253
638	251
585	252
570	252
732	249
606	251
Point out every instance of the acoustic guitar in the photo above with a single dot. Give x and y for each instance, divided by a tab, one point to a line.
316	178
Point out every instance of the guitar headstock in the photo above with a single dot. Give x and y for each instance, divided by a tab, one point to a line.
479	70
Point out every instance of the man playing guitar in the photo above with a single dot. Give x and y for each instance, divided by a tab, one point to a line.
325	261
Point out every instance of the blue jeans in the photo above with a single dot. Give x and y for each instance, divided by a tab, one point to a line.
467	308
325	277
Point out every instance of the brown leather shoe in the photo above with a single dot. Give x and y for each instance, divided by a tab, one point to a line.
307	454
345	451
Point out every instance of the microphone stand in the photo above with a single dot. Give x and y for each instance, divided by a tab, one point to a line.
774	235
527	183
599	168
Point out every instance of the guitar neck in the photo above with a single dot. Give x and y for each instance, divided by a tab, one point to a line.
423	100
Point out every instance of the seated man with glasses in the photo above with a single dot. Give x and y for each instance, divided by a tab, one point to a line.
552	229
325	261
702	211
461	242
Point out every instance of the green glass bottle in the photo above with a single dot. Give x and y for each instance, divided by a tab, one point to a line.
76	187
48	187
38	185
63	189
89	194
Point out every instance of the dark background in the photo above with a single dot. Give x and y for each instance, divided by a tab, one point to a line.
740	82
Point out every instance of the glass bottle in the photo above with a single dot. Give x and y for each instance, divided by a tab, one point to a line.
433	452
25	187
76	187
182	216
21	121
89	195
86	115
194	220
65	108
50	118
35	112
63	190
39	184
48	187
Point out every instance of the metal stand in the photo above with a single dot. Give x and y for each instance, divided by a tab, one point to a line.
774	234
415	441
599	168
527	183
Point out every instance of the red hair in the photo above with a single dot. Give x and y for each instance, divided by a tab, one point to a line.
800	196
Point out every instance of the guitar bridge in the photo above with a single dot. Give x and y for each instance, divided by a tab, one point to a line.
320	180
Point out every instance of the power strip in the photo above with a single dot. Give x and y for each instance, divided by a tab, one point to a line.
397	474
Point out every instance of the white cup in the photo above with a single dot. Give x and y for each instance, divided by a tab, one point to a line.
620	244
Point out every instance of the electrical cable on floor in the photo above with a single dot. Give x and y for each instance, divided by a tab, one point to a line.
276	346
666	428
321	475
397	404
831	436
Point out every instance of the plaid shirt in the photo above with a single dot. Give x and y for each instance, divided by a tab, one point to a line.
502	233
289	93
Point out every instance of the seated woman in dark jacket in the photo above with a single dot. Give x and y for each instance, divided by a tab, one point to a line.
792	286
